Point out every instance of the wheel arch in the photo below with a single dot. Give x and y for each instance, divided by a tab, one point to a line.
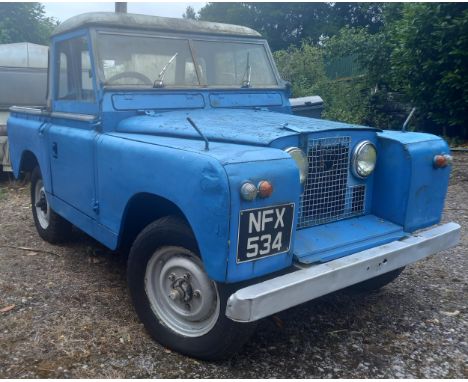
28	162
141	210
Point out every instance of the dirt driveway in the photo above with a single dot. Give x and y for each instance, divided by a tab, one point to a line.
69	315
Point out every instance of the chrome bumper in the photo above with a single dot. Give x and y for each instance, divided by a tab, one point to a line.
283	292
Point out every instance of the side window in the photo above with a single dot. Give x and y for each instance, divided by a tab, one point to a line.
62	81
74	77
86	73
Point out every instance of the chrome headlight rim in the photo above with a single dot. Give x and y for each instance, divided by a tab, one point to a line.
357	150
301	160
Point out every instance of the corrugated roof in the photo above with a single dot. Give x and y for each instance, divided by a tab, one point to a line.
136	21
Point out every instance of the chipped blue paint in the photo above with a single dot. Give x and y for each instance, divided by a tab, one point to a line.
138	143
409	190
165	101
255	127
238	99
330	241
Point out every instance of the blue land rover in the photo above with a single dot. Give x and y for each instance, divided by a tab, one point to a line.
174	140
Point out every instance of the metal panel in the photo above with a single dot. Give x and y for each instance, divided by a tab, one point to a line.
409	191
311	106
74	116
283	175
306	101
283	292
330	241
72	163
256	127
22	86
245	99
23	74
166	101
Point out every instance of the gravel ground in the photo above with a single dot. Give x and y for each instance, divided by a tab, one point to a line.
70	315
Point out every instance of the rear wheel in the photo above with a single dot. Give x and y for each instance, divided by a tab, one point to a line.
179	305
377	282
50	226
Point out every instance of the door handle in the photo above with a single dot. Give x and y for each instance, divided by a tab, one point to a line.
55	150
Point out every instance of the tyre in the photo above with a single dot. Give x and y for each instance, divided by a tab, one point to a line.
179	305
50	226
377	282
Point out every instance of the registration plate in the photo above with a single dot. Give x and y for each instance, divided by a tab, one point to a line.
264	232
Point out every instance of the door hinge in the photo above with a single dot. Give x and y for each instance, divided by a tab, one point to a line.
96	206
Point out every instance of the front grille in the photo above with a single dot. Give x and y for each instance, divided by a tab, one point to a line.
326	196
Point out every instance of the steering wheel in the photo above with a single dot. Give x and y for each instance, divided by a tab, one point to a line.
136	75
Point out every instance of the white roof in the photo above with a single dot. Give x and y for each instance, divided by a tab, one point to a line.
24	55
135	21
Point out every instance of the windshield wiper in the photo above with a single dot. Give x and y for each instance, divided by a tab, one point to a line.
248	72
159	83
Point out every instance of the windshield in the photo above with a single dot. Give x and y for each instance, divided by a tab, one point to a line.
140	60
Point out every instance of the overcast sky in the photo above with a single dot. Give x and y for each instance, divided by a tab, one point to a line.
62	11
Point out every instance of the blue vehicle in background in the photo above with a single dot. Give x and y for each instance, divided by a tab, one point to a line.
174	140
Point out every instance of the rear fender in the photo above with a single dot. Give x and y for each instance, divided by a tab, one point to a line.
28	144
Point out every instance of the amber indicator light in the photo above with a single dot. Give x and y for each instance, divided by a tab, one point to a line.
441	161
265	189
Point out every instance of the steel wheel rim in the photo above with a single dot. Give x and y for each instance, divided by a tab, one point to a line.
41	205
188	305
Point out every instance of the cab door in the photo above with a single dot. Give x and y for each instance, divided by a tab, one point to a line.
74	127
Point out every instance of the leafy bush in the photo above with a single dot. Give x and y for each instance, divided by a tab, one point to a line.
25	22
430	60
419	57
305	67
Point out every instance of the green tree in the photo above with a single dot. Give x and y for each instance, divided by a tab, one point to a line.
285	24
190	13
303	66
344	100
25	22
369	16
430	60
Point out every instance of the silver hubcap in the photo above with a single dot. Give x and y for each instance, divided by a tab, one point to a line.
42	206
180	293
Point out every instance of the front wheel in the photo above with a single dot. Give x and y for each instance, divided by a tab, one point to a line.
180	306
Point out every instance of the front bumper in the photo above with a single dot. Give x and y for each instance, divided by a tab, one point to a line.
283	292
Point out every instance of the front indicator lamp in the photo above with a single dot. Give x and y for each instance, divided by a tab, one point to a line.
301	161
441	161
364	159
265	189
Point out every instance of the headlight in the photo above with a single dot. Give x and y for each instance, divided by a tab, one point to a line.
301	160
364	159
